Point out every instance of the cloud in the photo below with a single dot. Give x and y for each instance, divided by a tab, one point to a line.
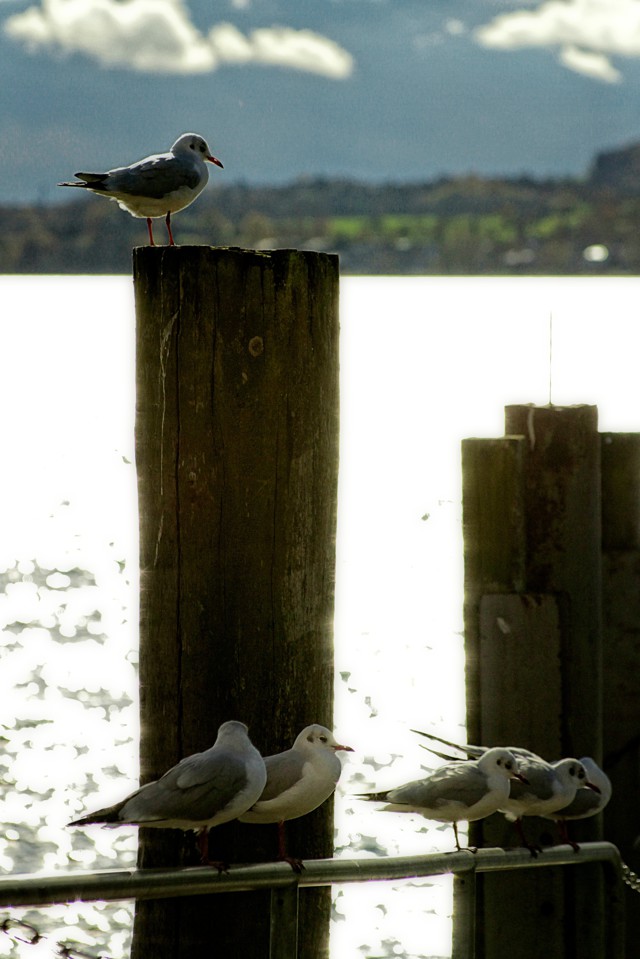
282	47
158	36
586	33
590	64
147	35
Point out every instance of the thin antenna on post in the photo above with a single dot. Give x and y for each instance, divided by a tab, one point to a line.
550	354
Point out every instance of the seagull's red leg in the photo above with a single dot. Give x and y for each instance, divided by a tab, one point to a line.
473	849
455	833
564	835
283	855
533	848
203	849
150	229
168	222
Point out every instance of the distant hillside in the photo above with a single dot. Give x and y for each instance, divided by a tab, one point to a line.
463	225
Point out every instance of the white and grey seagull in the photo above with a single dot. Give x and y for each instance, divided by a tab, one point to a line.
461	790
201	791
549	787
158	185
298	781
587	802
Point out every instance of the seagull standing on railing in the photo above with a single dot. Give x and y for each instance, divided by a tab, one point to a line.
157	186
298	781
587	801
201	791
461	790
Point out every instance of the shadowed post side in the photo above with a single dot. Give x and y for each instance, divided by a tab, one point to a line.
532	525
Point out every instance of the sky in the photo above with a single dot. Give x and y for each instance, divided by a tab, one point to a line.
376	90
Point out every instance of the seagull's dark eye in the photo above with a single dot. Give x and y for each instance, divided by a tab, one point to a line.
323	739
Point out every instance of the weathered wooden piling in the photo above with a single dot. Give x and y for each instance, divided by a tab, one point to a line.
237	456
532	527
621	641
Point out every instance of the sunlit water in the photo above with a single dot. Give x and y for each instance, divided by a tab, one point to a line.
424	363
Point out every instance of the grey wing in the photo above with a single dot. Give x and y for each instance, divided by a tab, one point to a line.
194	790
284	770
462	784
586	803
539	778
152	178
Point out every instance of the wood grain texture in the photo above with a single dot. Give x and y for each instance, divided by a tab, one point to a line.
237	459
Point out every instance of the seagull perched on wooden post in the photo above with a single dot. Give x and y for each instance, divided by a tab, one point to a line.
157	186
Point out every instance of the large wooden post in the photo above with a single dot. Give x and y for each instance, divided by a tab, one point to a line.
621	667
533	633
237	455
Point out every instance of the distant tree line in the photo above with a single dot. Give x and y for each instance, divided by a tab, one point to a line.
453	225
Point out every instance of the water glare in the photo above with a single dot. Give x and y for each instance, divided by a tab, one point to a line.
425	362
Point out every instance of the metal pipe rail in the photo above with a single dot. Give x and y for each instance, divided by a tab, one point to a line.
114	884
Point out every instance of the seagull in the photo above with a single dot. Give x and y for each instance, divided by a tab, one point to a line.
201	791
587	802
157	186
549	786
459	790
298	781
552	786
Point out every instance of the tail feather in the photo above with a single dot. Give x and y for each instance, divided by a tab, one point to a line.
110	814
374	797
92	180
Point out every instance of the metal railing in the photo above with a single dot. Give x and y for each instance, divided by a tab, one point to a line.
112	885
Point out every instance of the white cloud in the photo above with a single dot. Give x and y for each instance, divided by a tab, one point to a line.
282	47
148	35
455	27
586	32
158	36
595	65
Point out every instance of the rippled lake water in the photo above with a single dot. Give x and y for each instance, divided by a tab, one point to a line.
424	363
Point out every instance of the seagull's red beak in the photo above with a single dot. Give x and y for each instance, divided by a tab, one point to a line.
216	161
592	786
346	749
